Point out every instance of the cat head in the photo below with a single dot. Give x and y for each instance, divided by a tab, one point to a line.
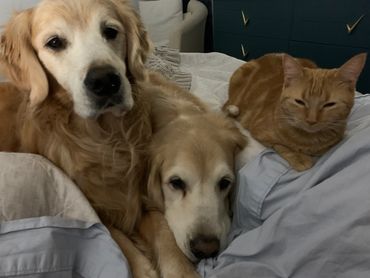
315	99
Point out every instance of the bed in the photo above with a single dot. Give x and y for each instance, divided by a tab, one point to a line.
286	224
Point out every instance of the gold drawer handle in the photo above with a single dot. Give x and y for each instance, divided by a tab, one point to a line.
245	19
351	28
244	52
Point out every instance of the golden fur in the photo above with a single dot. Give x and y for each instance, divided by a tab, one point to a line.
105	155
188	135
96	153
293	106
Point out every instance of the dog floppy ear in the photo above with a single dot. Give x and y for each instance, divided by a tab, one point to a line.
18	58
239	139
154	186
138	45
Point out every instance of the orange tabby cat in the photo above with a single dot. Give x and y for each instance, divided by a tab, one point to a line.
292	106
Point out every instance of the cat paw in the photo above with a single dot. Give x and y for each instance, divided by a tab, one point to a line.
301	162
233	111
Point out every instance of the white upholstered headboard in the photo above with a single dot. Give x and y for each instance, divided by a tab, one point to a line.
8	7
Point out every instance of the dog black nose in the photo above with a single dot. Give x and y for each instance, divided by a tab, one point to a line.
103	81
204	246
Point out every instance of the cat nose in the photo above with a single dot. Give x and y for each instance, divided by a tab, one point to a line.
311	118
311	121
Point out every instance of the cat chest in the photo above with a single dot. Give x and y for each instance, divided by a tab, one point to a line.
310	146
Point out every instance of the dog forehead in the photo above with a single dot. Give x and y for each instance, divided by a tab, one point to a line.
76	13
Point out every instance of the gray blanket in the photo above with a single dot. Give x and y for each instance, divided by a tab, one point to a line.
311	224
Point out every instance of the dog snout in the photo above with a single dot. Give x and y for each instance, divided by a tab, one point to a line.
103	81
203	246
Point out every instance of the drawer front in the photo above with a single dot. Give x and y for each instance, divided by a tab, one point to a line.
269	18
330	57
325	21
254	47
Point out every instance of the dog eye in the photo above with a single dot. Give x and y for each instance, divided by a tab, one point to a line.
177	183
329	104
110	33
224	184
56	43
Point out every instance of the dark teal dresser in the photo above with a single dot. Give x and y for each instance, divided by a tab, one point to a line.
315	29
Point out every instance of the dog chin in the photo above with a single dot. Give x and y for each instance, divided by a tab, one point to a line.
93	113
189	255
117	110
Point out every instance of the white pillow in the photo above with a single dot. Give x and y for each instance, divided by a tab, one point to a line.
160	18
135	3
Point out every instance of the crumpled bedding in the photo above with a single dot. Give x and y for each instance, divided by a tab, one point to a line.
48	228
31	186
310	224
54	247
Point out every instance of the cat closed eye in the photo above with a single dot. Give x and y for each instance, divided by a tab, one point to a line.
300	102
329	104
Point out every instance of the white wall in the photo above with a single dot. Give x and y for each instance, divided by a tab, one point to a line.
8	7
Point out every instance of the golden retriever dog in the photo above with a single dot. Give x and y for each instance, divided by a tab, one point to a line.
78	65
192	156
76	96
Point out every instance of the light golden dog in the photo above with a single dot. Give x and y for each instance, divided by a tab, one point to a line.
192	174
80	96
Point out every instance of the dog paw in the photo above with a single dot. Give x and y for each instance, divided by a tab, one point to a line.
193	274
144	272
181	271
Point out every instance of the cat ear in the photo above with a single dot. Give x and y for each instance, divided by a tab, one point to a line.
351	70
292	69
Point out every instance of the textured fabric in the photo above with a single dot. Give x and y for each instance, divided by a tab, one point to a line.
166	61
50	247
31	186
210	75
310	224
69	242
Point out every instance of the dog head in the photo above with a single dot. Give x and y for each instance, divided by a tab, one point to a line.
94	49
191	177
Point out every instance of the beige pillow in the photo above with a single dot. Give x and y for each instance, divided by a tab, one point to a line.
161	17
